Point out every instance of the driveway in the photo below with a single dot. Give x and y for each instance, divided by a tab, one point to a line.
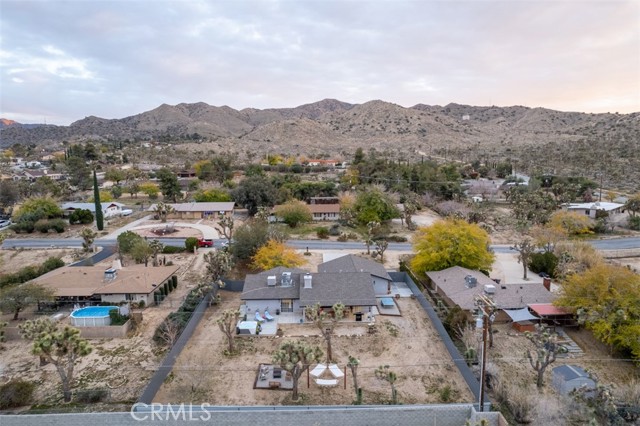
208	232
509	271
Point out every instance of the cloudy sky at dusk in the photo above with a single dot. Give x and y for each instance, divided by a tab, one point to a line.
64	60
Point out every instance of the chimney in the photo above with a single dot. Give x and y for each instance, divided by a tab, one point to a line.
546	282
307	280
116	264
110	274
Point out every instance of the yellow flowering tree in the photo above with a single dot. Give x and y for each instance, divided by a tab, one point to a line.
275	254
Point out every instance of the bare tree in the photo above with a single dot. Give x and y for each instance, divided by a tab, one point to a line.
372	228
296	357
168	332
218	263
227	323
325	321
546	351
381	247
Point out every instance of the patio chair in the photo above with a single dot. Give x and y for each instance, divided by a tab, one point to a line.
318	370
259	318
267	315
326	382
335	371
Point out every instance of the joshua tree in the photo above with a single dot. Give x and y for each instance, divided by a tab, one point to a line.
381	247
383	373
372	228
353	366
547	349
60	347
163	210
227	323
325	322
525	248
225	227
295	357
88	237
218	263
156	248
16	298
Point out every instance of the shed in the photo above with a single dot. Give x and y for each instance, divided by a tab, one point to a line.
569	377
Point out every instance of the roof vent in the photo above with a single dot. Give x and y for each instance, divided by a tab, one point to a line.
307	280
470	281
271	280
490	289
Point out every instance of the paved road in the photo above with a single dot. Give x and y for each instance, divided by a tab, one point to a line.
610	244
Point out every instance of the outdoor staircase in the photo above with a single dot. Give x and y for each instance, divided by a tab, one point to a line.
573	350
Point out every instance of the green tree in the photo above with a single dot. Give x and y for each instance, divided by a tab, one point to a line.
294	213
190	244
373	205
115	175
211	196
296	357
98	204
353	364
384	373
18	297
227	324
169	185
606	299
546	348
325	322
60	347
43	208
162	210
82	216
79	173
633	205
141	251
88	237
116	191
451	242
248	238
126	241
254	192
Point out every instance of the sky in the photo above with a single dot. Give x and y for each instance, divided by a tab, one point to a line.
61	61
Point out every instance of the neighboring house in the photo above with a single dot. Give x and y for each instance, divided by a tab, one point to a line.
291	289
199	210
322	212
460	286
569	377
91	284
109	209
592	209
323	163
324	200
191	173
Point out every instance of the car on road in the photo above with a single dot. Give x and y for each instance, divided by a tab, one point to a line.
544	275
5	223
126	212
205	242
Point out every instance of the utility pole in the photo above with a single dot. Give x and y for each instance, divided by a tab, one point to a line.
485	329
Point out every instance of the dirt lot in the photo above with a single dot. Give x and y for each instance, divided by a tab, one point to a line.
122	366
13	260
425	371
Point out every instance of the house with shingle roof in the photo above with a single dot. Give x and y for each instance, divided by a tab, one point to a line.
348	281
92	284
354	263
109	209
461	287
199	210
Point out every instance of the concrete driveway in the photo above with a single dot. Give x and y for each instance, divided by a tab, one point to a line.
509	271
208	232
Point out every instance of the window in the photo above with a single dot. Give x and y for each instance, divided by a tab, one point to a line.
286	305
129	297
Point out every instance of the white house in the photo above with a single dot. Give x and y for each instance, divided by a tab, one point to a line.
109	209
592	209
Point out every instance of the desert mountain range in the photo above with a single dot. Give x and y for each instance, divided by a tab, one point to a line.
333	127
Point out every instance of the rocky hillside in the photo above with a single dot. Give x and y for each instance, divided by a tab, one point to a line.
537	138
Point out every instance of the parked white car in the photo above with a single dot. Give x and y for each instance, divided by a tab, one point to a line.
126	212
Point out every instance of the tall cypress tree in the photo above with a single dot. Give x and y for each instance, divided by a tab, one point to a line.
96	198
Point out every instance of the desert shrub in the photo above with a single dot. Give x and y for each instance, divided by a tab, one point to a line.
16	393
456	320
141	304
634	223
334	231
91	396
190	243
23	226
520	403
396	239
57	225
50	264
544	262
342	238
322	232
82	216
117	318
42	226
172	250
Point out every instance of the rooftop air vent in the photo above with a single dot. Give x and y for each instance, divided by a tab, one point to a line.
271	280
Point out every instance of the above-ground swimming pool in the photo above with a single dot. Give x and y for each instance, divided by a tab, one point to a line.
93	316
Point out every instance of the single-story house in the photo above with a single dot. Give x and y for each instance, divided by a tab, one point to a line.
322	212
109	209
461	286
324	200
291	290
91	284
566	378
195	210
592	209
